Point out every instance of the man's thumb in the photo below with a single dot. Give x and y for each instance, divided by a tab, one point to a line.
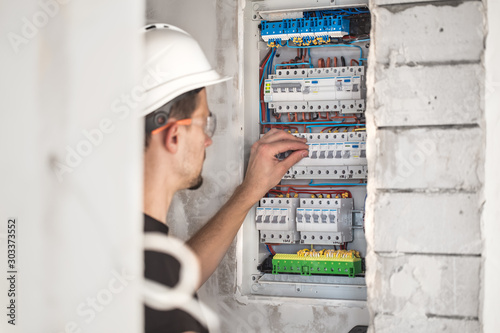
293	158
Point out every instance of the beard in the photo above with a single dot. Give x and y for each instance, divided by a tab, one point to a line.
196	184
198	181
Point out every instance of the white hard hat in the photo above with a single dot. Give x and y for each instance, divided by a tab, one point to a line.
175	64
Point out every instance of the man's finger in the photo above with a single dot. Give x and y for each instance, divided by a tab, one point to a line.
291	160
286	145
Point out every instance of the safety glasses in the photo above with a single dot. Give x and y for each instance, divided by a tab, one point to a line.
208	127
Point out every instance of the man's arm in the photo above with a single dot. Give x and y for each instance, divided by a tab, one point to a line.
264	171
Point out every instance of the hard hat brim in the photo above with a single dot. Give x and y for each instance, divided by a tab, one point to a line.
158	97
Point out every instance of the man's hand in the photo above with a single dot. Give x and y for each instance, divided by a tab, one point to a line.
264	169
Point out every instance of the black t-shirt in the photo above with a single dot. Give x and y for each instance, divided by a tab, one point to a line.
165	269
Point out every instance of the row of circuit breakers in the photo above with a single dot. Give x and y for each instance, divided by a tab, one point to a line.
331	156
305	220
330	89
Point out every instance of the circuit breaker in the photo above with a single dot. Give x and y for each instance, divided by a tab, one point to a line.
307	77
316	90
325	221
332	156
275	219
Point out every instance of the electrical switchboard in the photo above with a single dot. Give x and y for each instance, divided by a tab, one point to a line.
311	63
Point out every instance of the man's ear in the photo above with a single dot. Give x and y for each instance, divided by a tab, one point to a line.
171	139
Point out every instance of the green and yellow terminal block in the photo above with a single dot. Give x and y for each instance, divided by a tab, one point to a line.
306	262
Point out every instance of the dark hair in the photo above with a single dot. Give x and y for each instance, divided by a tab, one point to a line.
182	108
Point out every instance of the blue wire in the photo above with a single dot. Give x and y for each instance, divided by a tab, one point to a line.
361	11
300	123
261	80
346	125
270	65
267	247
269	68
361	40
336	184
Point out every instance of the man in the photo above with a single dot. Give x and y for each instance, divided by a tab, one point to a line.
179	126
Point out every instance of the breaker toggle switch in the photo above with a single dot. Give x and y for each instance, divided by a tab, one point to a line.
316	217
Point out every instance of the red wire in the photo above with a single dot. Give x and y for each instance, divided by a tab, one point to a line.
271	248
311	190
261	72
283	127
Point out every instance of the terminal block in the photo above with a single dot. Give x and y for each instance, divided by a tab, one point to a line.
275	219
325	221
332	89
322	264
304	31
332	156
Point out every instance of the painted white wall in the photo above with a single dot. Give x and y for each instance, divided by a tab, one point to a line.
80	228
491	212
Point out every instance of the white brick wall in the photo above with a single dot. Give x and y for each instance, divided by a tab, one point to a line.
426	163
428	158
429	33
422	284
427	222
416	96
